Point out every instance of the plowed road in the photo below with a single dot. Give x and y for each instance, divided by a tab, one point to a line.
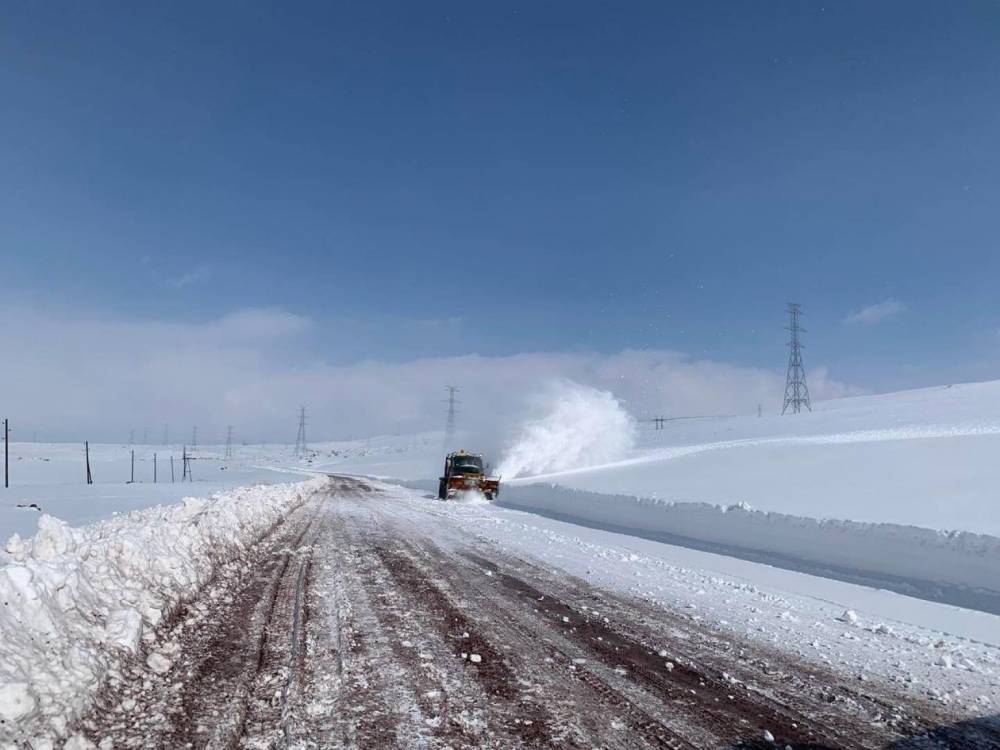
364	622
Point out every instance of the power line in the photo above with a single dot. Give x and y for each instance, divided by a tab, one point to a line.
796	390
659	423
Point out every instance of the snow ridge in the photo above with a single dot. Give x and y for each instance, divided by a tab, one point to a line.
959	559
77	602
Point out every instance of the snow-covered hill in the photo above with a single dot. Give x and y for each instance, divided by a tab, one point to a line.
924	457
908	482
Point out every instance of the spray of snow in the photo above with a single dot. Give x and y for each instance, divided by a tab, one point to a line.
576	426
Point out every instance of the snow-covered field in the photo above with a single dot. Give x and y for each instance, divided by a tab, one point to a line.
923	457
53	477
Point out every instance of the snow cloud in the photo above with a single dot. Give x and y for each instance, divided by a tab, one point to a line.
875	313
72	378
575	426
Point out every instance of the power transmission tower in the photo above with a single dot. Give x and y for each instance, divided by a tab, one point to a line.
229	441
449	428
300	438
194	438
796	390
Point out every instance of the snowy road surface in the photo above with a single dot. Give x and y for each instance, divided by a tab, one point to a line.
377	618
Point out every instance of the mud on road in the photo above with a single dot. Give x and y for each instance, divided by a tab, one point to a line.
356	625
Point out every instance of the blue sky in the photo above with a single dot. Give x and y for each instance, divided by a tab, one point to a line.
514	177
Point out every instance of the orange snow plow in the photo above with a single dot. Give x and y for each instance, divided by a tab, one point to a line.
463	472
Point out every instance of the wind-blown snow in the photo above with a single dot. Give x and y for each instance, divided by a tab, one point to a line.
79	601
578	426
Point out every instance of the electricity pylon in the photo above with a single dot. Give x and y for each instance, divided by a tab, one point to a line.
449	427
300	439
796	390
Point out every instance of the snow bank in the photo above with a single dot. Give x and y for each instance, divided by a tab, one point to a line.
957	567
78	601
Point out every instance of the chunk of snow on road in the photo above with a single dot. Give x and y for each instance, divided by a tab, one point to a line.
124	629
475	658
16	701
849	616
158	663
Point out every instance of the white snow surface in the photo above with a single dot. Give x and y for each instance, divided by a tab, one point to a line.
53	477
921	458
77	601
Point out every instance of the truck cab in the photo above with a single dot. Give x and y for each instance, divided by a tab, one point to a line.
464	472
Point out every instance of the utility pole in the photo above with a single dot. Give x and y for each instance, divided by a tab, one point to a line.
300	438
229	441
171	468
760	410
86	452
194	438
6	453
449	427
186	466
796	390
132	477
154	468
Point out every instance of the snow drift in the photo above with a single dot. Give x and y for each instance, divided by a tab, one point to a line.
955	567
78	601
578	426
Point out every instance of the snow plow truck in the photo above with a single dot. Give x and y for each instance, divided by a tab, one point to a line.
464	472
